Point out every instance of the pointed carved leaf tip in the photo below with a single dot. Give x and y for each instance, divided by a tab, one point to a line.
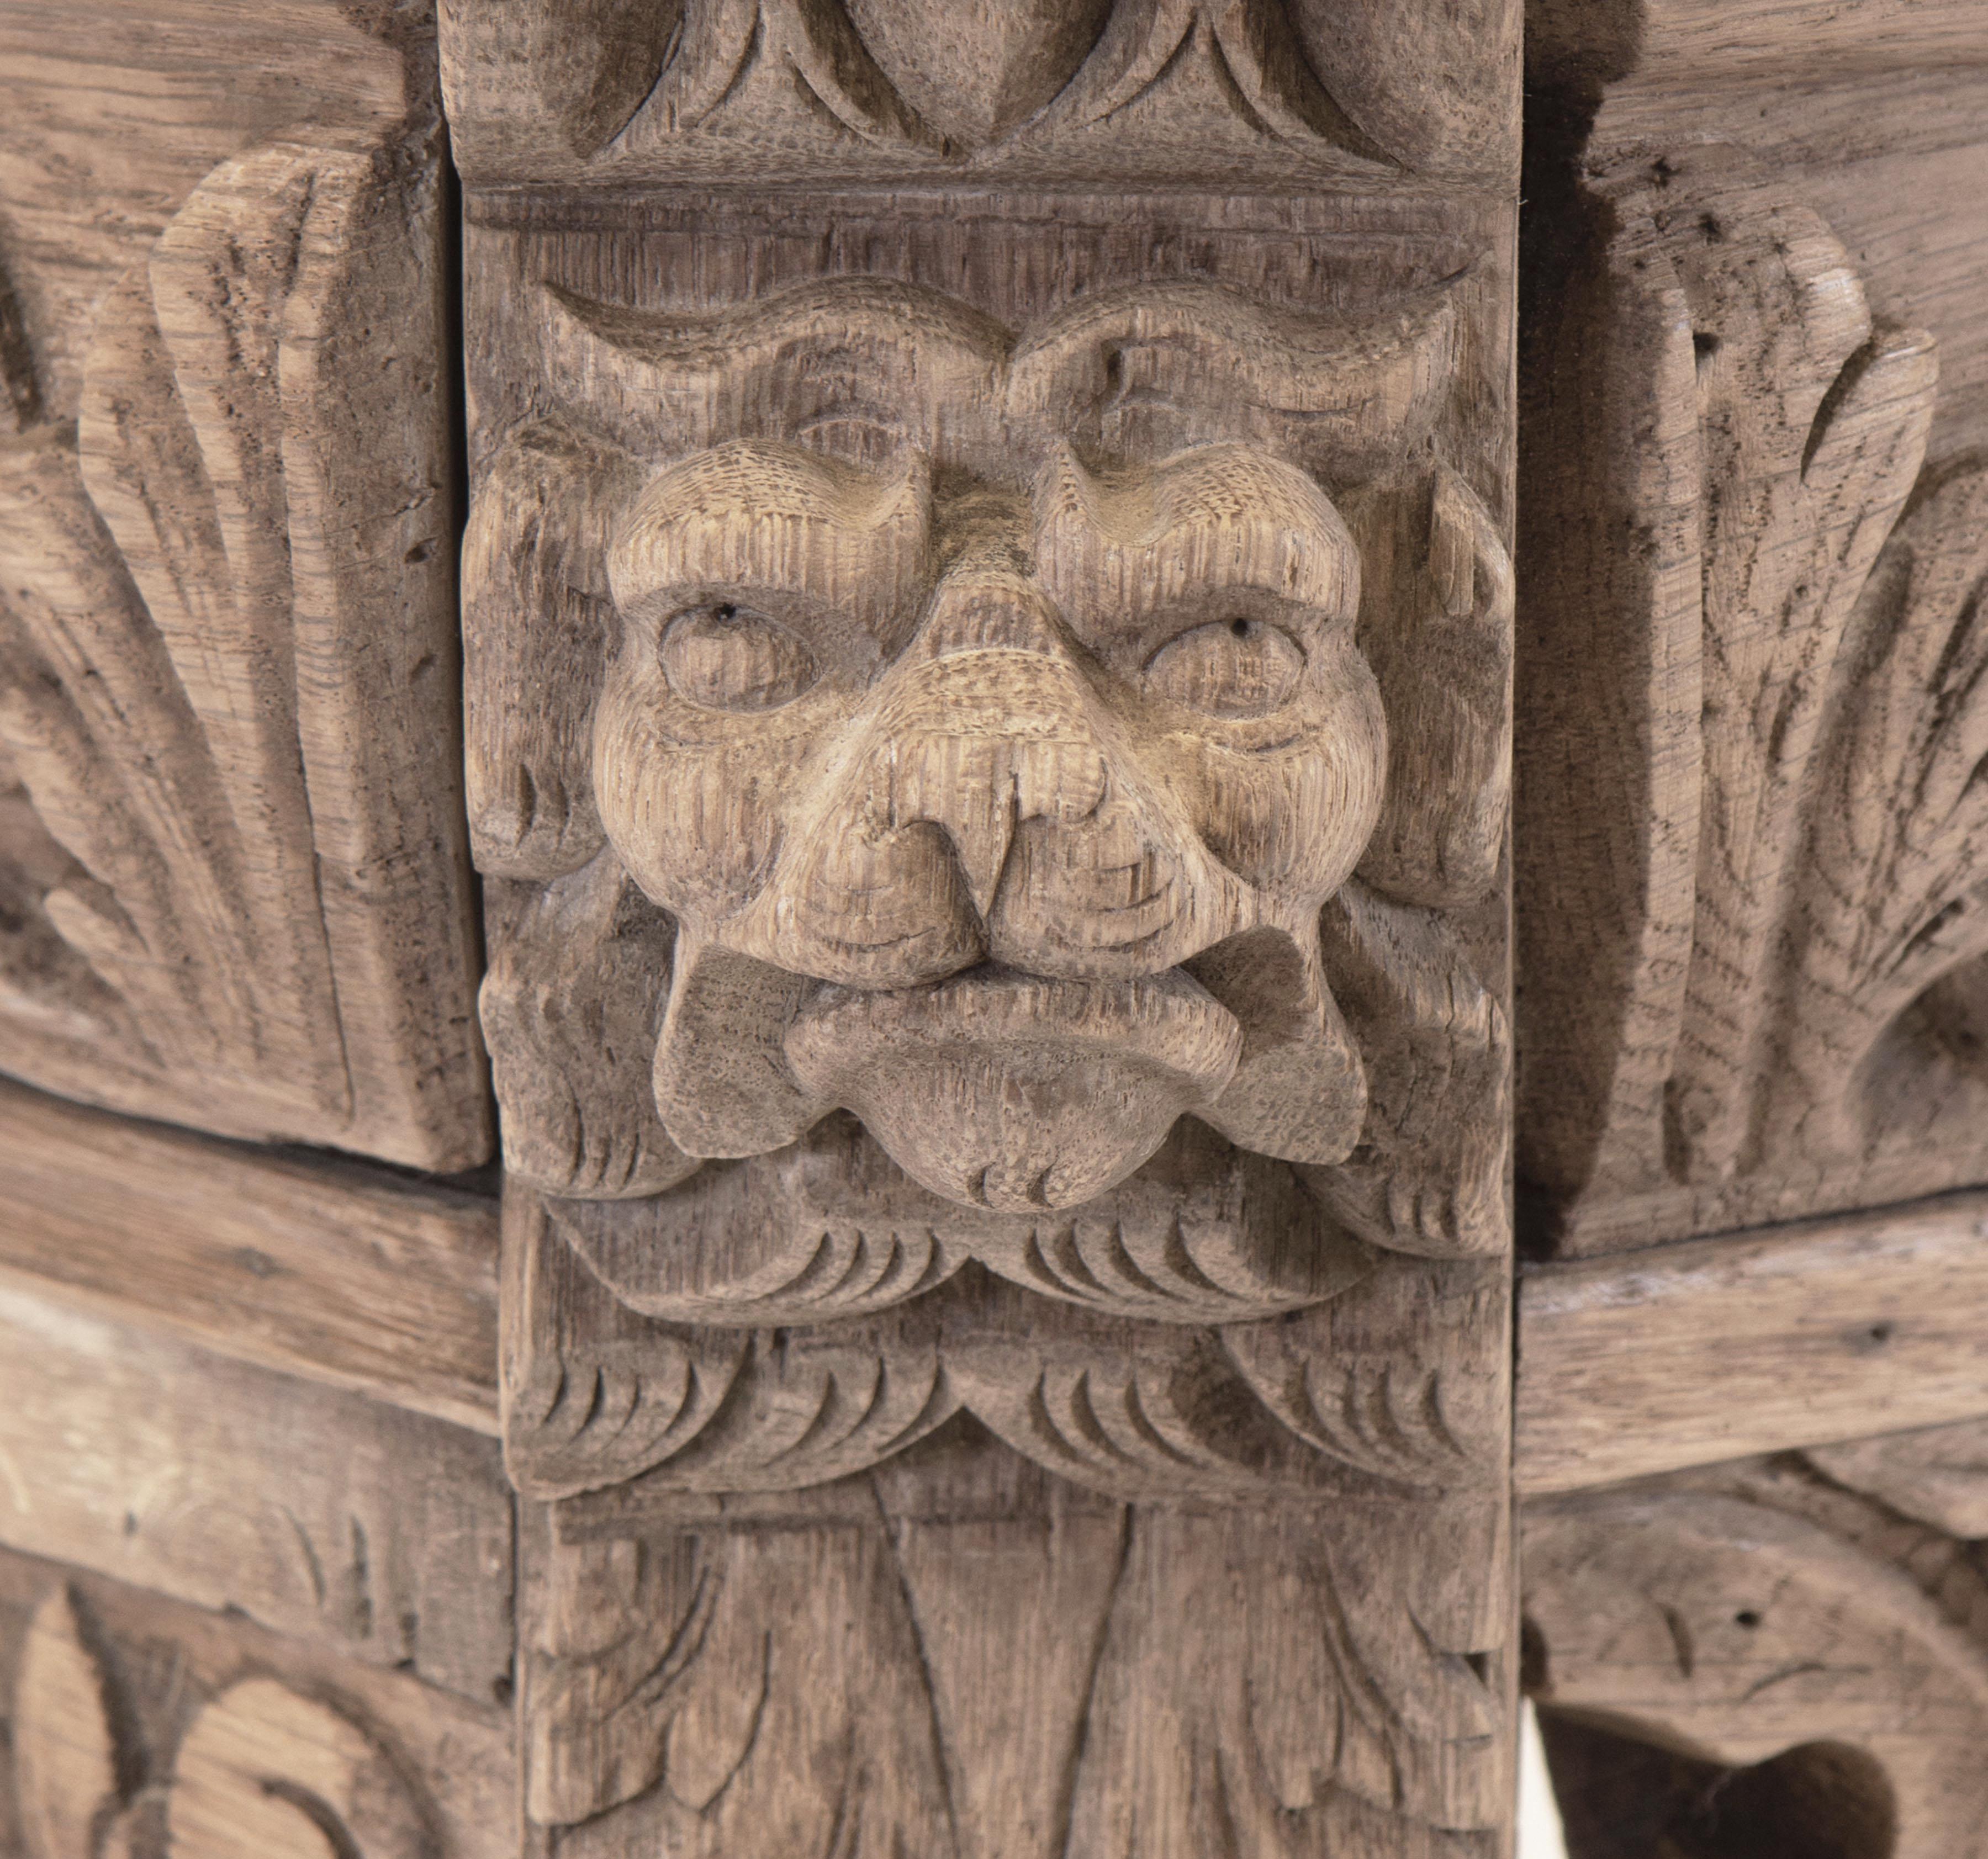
65	1756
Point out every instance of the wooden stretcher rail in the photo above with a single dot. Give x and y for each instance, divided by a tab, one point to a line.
1788	1336
336	1272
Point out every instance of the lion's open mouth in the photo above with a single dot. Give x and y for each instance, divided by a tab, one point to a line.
1007	1090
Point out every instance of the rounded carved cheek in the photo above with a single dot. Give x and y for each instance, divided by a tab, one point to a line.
1294	819
698	825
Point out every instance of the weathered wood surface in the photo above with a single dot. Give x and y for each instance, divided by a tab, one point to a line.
138	1727
1758	1659
334	1272
326	1516
234	890
1796	1335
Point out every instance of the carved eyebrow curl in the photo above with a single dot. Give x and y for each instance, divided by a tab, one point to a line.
1216	519
756	517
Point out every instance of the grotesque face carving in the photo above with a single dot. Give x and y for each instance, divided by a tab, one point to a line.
1004	743
1022	807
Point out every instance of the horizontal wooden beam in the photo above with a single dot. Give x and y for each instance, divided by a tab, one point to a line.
366	1279
1800	1335
338	1272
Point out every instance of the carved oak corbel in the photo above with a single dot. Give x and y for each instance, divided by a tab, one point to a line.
989	749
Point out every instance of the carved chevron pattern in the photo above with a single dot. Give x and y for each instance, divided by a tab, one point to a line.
1349	1396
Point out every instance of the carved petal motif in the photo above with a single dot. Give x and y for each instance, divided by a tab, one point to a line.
973	77
67	1767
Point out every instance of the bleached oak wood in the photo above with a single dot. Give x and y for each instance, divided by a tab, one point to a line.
987	662
231	855
1749	842
342	1274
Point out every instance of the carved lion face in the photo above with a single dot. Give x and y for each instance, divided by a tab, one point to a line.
1002	820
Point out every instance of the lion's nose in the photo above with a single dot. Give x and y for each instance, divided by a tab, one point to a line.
989	610
993	806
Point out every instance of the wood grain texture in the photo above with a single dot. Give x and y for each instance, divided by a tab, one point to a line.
324	1515
138	1727
1803	1335
233	859
1756	1658
331	1272
959	1655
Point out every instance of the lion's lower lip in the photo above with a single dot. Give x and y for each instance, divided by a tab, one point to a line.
1017	1092
1168	1018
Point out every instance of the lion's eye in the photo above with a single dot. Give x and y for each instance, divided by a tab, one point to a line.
1228	668
729	657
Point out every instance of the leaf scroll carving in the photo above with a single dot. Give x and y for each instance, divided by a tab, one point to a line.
240	887
1750	1655
259	1771
1757	1003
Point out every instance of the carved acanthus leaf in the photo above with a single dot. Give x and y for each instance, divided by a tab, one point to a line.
701	1667
225	641
1205	1673
1890	895
1803	696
